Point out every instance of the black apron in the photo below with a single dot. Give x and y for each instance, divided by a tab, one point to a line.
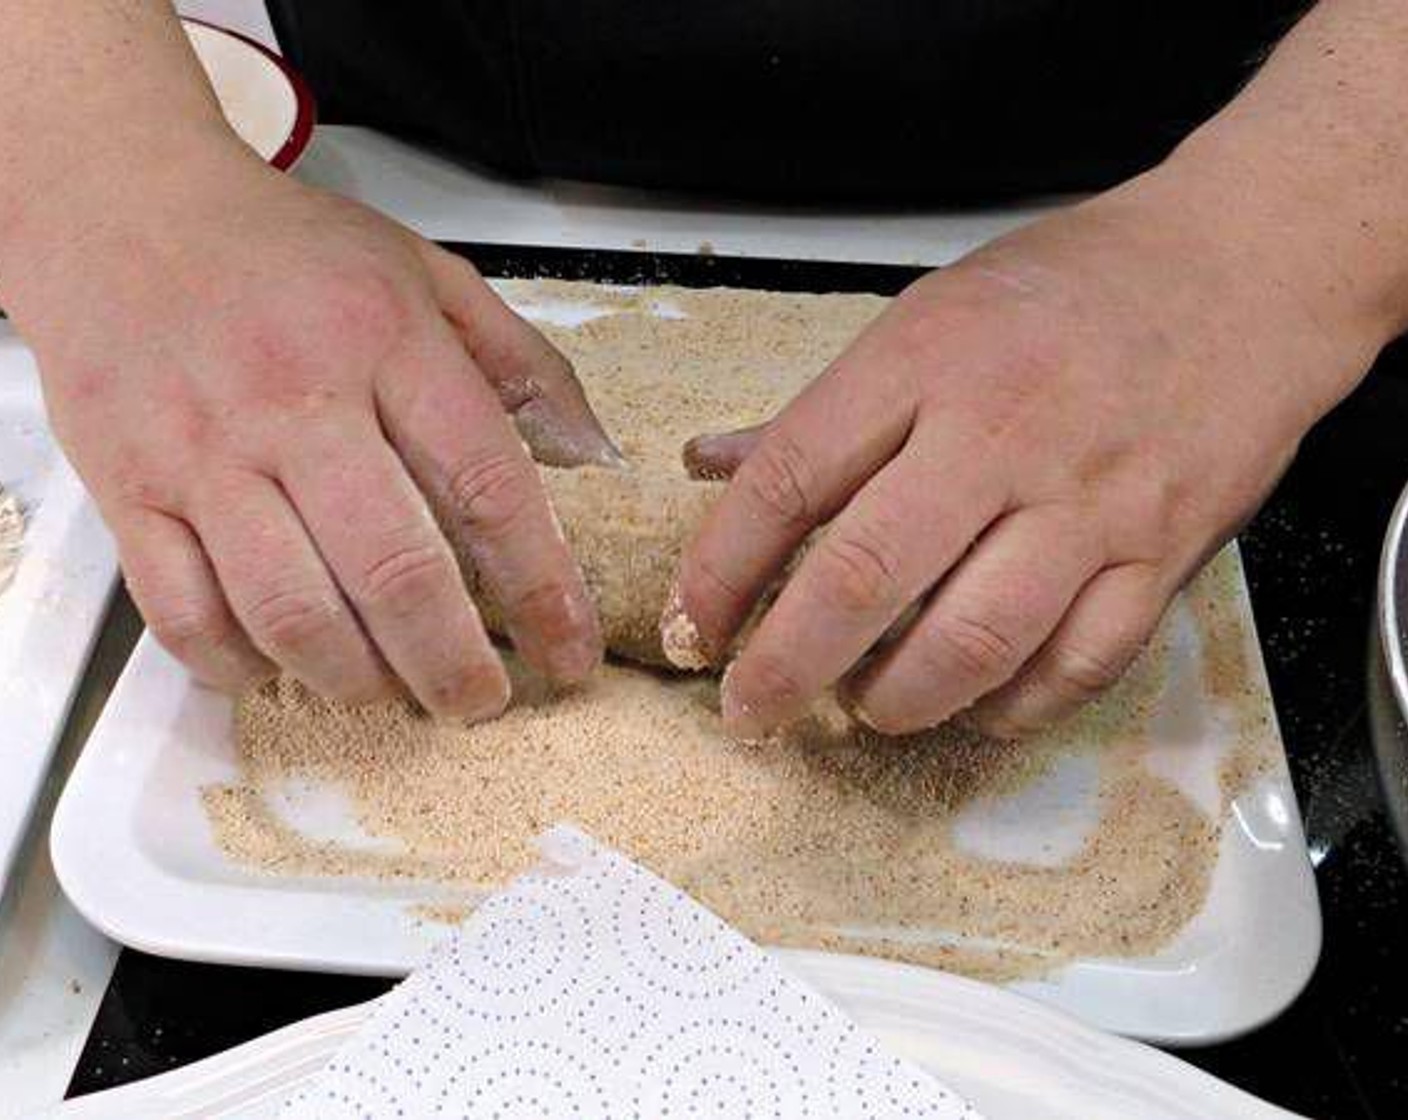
881	100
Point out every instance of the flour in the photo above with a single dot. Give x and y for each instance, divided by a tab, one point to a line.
825	835
12	524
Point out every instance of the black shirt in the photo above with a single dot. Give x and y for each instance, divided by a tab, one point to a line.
798	99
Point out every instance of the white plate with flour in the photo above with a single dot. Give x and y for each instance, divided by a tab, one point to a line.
64	570
1013	1059
136	854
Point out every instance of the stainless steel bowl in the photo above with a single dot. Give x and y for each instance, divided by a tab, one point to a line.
1388	680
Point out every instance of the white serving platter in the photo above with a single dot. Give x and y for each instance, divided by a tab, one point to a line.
134	852
50	614
1009	1056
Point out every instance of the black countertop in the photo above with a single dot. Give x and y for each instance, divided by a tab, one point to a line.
1341	1051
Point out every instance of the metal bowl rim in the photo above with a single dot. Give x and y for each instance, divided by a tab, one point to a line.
1393	601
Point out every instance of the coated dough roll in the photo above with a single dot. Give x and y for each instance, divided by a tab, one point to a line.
627	531
661	365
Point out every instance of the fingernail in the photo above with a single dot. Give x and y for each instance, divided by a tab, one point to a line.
486	708
557	441
680	639
610	456
990	726
700	459
572	662
852	706
481	693
714	456
607	453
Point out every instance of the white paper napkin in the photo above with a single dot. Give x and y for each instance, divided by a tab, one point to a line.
592	990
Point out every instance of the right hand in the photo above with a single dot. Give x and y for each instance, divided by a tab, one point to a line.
284	403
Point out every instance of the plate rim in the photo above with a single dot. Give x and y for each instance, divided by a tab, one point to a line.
1388	694
62	514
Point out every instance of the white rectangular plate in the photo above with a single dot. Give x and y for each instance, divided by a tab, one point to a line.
50	614
135	853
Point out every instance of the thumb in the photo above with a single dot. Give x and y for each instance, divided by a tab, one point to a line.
535	383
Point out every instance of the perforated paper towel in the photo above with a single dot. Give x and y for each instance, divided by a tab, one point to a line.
594	990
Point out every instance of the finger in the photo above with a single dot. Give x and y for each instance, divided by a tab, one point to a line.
716	456
987	618
175	589
892	543
797	477
282	593
449	430
396	568
1102	633
535	383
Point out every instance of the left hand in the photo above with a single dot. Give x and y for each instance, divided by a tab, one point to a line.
1023	458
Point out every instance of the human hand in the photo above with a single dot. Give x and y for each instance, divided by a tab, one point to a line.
1011	472
292	413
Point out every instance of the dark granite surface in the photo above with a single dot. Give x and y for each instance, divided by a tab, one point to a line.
1341	1051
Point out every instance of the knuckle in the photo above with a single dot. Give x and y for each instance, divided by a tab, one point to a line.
860	572
403	579
295	360
979	648
365	303
921	339
1176	501
1083	673
292	620
488	491
779	478
190	630
452	263
132	483
1161	506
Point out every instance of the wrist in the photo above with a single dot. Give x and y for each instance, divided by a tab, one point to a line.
1311	315
114	192
1296	215
103	178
